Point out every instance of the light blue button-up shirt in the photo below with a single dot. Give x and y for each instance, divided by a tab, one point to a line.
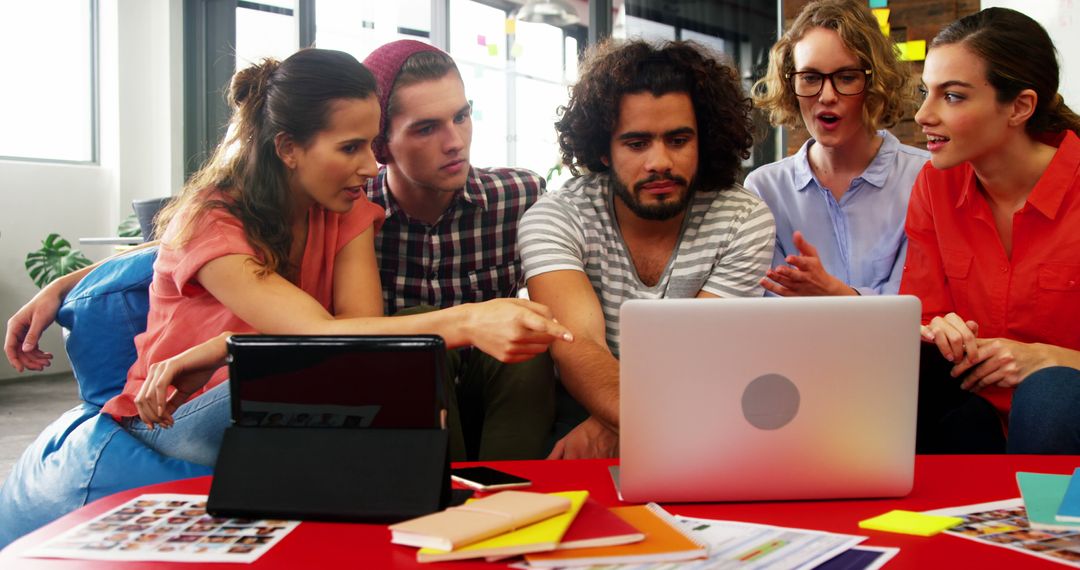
860	239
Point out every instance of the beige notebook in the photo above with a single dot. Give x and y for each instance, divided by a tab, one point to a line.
459	526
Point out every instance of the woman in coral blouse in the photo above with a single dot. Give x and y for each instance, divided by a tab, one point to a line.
275	235
994	241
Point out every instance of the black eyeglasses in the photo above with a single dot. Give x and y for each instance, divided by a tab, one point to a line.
844	81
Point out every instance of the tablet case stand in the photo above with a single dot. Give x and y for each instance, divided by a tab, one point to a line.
360	475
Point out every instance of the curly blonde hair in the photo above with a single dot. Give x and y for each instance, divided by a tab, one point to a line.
890	93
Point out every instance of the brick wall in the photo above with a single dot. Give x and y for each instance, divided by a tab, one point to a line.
909	20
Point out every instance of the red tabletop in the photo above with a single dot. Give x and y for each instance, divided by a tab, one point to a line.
940	481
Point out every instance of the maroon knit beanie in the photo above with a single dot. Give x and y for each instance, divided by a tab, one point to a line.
385	63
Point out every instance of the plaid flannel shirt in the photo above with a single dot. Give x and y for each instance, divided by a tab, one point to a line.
469	254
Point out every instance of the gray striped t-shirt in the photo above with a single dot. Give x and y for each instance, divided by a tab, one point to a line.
726	246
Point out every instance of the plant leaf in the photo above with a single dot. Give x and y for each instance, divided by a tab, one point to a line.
54	259
129	227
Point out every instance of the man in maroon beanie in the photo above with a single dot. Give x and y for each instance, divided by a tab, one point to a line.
450	237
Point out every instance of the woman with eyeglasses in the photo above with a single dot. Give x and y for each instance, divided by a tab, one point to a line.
994	230
839	202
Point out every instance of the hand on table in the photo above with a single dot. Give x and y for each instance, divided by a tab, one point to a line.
591	439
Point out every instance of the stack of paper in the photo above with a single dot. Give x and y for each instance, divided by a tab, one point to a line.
512	523
665	541
587	534
596	525
1052	501
536	537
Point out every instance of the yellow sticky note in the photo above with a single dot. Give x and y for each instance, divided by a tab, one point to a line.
882	15
886	29
493	49
914	50
908	522
511	26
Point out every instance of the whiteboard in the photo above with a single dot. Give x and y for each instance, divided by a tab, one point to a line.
1061	18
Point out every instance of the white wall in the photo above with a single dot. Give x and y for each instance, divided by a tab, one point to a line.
140	152
1061	18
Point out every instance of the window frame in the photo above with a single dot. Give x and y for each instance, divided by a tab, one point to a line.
209	61
94	54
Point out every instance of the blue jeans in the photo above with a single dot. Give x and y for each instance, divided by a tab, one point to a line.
198	428
1045	414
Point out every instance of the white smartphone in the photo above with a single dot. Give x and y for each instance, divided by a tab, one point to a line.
487	479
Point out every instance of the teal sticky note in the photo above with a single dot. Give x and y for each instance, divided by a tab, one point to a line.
879	3
1069	511
1042	493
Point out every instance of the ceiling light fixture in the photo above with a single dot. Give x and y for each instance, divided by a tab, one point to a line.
558	13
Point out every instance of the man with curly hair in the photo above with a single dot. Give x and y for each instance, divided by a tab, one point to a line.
656	134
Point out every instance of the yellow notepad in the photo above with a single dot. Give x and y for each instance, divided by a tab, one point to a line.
908	522
537	537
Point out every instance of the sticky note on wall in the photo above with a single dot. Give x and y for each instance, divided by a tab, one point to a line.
879	3
882	15
915	50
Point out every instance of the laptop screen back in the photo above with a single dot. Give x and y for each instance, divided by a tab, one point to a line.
336	382
766	398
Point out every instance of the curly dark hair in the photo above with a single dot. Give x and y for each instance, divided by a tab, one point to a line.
616	68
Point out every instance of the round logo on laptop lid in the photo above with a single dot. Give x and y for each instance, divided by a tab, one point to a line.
770	401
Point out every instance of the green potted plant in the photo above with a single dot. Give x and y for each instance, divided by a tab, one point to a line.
54	259
129	227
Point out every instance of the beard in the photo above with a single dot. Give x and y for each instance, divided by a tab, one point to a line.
656	212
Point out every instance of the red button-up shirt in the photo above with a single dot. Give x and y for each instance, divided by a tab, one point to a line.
957	263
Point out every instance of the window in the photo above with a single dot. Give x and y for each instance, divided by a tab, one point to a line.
744	30
359	26
517	74
265	29
478	44
48	106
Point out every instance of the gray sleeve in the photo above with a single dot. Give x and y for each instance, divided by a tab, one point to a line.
742	264
551	238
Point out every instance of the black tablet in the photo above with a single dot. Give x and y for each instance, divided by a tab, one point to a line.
330	382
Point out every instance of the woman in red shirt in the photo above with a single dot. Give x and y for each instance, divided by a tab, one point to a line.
275	235
994	246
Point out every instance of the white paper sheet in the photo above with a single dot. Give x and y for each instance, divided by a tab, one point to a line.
166	527
750	546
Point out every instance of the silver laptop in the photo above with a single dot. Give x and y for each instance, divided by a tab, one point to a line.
767	398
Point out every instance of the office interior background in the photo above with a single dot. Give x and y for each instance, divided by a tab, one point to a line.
109	101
